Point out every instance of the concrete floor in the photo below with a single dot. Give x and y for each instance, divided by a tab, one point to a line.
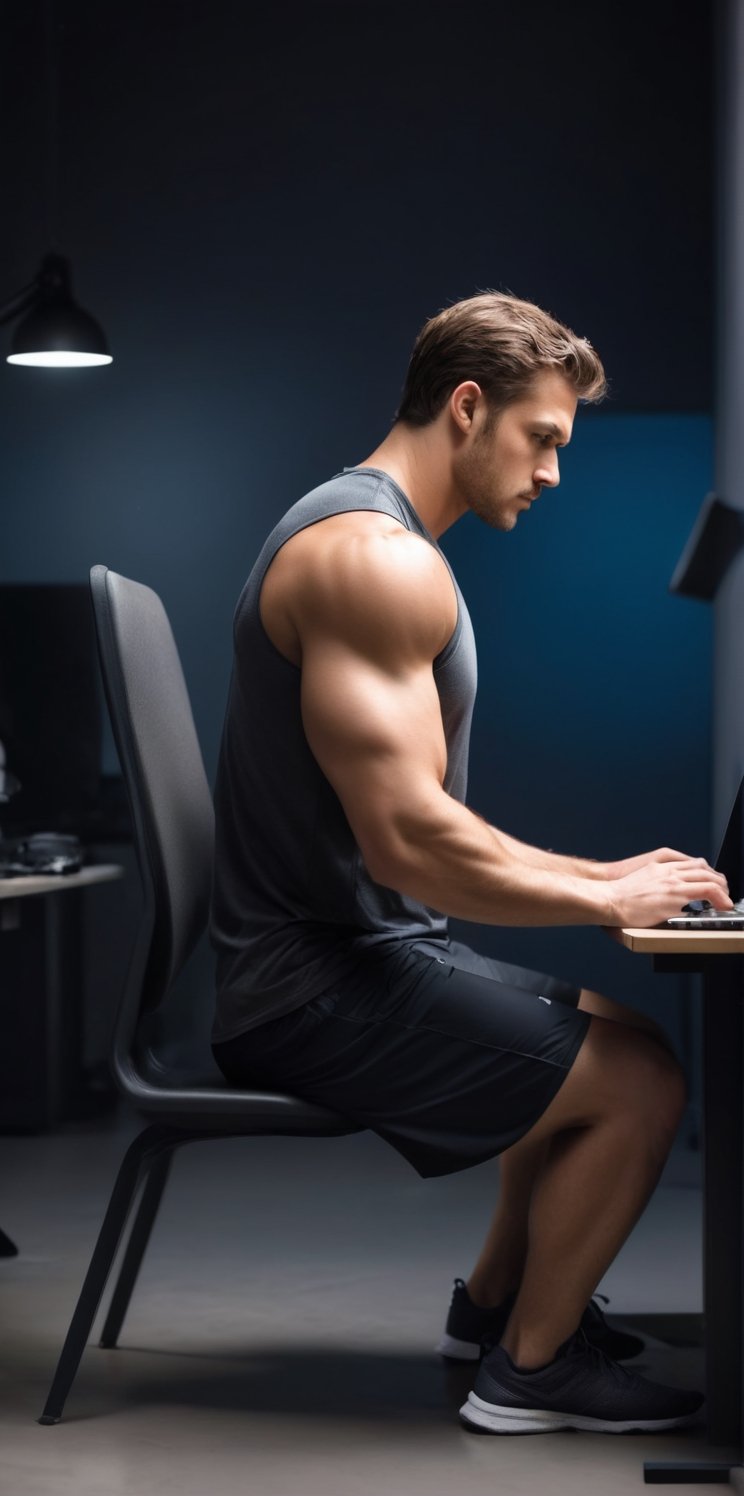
280	1338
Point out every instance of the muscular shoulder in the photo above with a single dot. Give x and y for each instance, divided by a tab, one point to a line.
367	581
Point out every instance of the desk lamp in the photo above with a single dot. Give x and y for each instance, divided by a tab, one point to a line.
56	332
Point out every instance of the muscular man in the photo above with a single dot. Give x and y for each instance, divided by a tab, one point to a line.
344	842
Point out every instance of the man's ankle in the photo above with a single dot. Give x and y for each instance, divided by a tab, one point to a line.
528	1352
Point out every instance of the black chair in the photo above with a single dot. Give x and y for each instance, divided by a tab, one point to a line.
173	829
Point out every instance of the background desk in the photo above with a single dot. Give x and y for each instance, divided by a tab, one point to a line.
40	1004
719	956
41	982
20	888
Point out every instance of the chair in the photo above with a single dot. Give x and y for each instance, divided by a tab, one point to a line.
173	825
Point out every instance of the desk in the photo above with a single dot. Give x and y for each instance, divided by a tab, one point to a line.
42	981
19	888
719	956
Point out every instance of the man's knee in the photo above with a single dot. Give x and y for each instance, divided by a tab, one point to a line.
622	1074
652	1082
665	1097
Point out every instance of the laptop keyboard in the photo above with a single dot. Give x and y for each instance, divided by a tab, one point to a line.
700	915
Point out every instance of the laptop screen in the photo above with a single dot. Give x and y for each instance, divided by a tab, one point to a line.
729	859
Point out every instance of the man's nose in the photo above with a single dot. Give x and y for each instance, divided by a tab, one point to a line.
547	474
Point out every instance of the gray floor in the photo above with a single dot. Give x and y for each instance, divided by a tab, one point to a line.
280	1338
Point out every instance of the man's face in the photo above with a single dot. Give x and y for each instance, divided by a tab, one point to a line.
510	456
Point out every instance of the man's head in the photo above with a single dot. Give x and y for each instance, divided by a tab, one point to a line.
499	342
496	382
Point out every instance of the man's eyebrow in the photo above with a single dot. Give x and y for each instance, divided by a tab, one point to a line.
552	429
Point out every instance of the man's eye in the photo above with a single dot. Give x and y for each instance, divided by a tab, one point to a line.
543	439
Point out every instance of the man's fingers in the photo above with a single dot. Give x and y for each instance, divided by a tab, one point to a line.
716	893
695	871
668	854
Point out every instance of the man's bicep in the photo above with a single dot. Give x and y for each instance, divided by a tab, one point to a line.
376	732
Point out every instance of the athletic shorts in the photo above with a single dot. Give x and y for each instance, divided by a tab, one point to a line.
448	1055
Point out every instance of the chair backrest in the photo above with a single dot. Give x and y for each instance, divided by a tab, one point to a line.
164	774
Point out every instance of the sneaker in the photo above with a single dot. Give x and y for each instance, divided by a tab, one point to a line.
619	1345
582	1388
468	1326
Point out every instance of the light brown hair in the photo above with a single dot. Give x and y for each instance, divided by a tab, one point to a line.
501	343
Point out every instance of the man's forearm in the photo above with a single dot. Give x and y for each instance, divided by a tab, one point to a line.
577	867
449	858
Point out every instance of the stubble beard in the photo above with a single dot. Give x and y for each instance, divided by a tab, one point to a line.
495	511
485	509
478	483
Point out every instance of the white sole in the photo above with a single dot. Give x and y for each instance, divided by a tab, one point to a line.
498	1420
458	1350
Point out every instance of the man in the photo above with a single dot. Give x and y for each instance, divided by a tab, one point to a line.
344	842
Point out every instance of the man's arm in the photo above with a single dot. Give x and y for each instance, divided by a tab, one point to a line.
372	612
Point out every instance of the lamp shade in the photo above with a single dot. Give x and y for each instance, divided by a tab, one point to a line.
56	332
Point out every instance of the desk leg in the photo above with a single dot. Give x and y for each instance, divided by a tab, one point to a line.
41	1054
723	1159
723	1059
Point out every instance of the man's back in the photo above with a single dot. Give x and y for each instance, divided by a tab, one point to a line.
294	904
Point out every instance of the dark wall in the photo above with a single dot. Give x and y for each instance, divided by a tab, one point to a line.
253	196
262	209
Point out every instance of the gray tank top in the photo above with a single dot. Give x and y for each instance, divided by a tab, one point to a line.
294	909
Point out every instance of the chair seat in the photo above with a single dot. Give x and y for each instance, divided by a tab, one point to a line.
196	1099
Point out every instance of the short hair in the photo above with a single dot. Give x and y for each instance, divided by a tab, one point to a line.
501	343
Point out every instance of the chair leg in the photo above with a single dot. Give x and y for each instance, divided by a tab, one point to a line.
139	1237
152	1140
8	1248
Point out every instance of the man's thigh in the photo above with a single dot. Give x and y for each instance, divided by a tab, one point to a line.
539	983
451	1066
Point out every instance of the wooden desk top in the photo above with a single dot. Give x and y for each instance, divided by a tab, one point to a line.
18	888
656	942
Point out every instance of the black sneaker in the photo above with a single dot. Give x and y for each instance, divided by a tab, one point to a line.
468	1326
582	1388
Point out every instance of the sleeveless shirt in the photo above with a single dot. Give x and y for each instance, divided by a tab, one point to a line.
294	909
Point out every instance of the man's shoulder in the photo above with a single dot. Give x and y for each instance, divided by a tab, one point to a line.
366	578
341	523
344	563
360	550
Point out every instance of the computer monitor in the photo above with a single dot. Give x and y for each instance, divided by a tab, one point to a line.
50	706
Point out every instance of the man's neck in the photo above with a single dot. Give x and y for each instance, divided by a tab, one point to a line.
416	459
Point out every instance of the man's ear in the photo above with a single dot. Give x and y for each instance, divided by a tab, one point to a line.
463	403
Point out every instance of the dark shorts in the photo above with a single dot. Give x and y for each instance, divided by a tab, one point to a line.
450	1058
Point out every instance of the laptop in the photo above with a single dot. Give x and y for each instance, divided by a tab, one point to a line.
699	914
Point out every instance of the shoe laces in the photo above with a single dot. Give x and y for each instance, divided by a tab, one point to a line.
579	1345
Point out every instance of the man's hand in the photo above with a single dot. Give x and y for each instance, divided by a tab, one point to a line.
657	890
626	865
